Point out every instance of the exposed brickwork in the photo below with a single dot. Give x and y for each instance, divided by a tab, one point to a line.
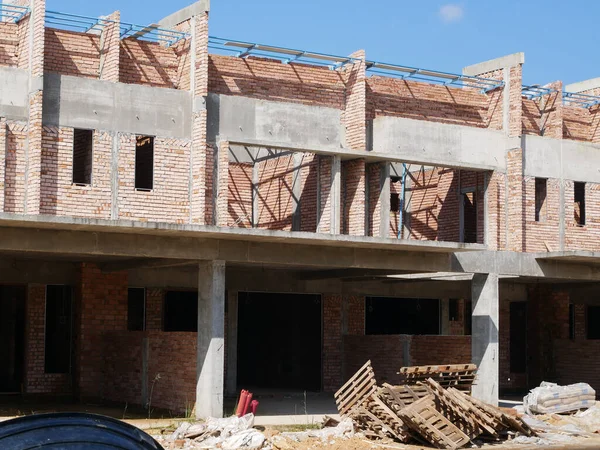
9	44
496	200
387	353
149	63
541	236
373	182
102	308
202	66
508	379
169	199
239	207
332	342
59	195
123	366
308	192
577	123
72	53
23	49
222	193
3	131
552	111
14	185
110	43
356	315
584	237
36	379
355	115
515	203
275	178
325	198
34	154
353	197
154	309
273	80
577	361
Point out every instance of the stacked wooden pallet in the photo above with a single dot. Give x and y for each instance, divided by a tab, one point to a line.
459	376
425	412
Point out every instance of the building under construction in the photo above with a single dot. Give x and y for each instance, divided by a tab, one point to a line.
225	214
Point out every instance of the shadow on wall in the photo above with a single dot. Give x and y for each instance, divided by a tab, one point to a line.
80	57
392	97
272	80
139	64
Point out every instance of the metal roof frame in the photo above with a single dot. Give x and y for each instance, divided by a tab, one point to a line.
85	24
12	13
581	100
535	91
242	49
433	76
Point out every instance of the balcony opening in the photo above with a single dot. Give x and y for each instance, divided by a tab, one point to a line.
468	227
82	156
144	163
136	309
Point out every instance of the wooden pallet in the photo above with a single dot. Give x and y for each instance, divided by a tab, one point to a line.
398	397
423	418
470	419
460	376
356	390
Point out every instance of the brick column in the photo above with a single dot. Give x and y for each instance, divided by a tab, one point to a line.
332	342
34	169
201	207
355	110
2	160
221	190
378	199
516	201
102	308
324	197
595	130
110	47
551	107
353	186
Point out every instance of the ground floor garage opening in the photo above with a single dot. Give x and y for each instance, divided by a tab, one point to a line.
279	341
12	337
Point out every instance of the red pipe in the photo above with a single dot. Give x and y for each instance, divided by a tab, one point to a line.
241	403
248	400
253	406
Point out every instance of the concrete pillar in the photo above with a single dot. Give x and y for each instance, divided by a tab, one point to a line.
232	327
384	199
484	336
211	331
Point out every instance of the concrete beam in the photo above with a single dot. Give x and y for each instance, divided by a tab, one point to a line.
211	339
132	264
484	336
582	86
184	14
14	90
495	64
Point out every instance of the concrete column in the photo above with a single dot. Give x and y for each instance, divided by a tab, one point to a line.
484	337
211	330
232	327
336	194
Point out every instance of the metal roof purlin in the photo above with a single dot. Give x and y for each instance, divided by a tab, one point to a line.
582	100
12	12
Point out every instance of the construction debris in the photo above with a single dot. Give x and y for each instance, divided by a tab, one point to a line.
551	398
433	407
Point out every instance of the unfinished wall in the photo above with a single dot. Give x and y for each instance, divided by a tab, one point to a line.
239	207
72	53
168	201
422	101
586	237
9	44
275	193
269	79
59	195
14	175
37	381
150	63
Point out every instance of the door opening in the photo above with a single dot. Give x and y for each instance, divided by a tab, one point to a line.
12	337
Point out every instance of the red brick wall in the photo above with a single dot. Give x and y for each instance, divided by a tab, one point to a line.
102	308
353	197
354	115
3	131
72	53
585	237
14	186
577	362
308	192
36	380
59	196
239	208
169	199
275	193
386	353
508	379
515	203
543	235
9	44
23	50
373	182
273	80
324	217
577	123
422	101
496	198
123	373
532	116
148	63
332	342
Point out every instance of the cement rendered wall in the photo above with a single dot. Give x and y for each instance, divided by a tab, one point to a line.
13	93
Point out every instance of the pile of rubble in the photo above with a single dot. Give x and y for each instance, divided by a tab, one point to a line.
432	407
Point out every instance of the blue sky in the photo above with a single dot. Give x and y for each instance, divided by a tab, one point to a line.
557	36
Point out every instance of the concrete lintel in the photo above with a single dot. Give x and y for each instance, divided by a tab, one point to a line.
145	264
512	60
582	86
184	14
